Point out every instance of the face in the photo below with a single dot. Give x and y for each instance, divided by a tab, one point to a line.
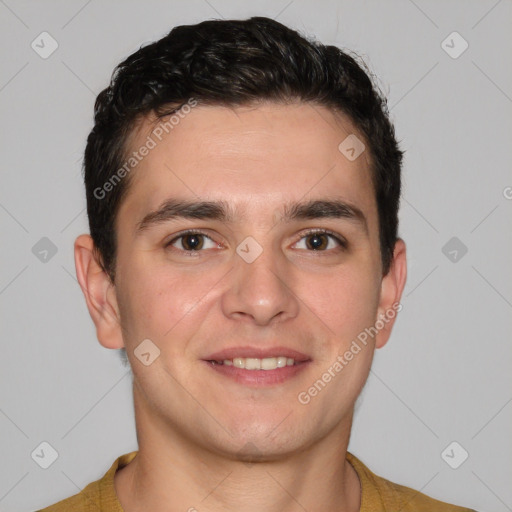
283	262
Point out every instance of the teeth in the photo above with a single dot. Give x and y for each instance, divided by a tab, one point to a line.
253	363
281	362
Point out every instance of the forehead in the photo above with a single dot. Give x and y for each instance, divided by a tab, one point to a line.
269	153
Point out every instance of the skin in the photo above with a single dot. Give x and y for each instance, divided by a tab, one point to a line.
196	428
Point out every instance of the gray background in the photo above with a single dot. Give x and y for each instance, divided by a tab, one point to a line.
445	374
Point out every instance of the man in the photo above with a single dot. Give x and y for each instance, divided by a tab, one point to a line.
243	188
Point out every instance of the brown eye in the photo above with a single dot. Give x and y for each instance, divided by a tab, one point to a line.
321	241
192	242
317	241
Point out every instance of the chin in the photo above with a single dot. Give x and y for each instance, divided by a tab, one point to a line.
264	439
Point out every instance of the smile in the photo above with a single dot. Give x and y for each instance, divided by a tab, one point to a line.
258	373
254	363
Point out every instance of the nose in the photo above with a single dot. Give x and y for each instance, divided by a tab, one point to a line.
261	291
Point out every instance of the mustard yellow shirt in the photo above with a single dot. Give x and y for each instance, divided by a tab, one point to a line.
377	494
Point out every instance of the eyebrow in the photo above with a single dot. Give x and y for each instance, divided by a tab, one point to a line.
222	211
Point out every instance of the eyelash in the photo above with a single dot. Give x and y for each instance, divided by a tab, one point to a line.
341	241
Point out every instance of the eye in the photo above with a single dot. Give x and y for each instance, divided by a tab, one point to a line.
321	240
317	240
192	241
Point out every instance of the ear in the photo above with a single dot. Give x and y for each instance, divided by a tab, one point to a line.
392	286
99	293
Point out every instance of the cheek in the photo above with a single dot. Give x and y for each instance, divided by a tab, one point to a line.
156	300
346	300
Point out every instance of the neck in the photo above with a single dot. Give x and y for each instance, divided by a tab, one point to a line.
170	472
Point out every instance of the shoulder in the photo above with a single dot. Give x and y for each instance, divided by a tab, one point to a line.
98	495
410	500
381	494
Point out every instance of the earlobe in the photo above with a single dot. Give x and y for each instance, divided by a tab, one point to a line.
99	293
392	286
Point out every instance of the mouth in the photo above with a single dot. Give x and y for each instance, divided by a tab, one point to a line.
256	367
255	363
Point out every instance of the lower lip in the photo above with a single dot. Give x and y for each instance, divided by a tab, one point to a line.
259	378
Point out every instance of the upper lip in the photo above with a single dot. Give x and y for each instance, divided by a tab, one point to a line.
257	352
